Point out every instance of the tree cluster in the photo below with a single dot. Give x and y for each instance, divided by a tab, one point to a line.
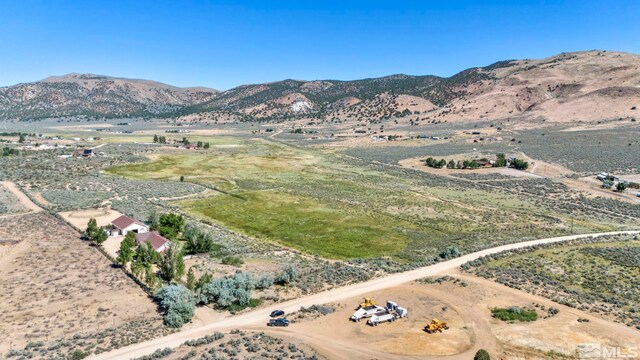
7	151
520	164
159	139
95	233
438	164
202	145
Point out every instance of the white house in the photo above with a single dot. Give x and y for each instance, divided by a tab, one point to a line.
124	224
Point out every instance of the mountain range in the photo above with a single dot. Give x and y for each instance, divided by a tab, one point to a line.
579	86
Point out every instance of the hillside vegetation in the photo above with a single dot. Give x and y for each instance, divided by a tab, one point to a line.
582	86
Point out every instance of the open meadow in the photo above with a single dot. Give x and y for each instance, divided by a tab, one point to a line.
331	205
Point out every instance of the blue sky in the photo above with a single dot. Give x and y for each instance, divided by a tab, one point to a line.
222	44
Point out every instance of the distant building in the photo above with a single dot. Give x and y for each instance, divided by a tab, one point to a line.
83	153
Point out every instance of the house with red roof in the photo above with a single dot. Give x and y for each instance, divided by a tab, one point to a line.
159	242
124	224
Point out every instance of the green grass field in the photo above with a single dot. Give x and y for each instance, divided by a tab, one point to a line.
305	224
319	203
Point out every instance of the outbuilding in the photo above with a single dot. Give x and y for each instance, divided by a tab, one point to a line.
124	224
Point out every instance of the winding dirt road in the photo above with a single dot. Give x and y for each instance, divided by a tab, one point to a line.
22	197
258	318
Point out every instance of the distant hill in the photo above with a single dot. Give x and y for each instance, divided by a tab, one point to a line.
587	86
96	96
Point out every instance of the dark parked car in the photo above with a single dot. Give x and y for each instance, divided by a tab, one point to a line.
277	313
278	322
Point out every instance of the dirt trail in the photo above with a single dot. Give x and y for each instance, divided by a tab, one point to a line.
24	199
257	318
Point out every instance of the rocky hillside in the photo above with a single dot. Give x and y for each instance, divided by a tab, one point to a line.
96	96
581	86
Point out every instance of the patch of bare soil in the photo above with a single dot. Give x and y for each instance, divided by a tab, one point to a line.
39	198
467	310
55	285
592	186
80	218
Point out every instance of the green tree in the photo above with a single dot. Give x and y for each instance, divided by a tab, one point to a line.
191	279
451	164
520	164
501	160
21	138
146	255
153	220
125	254
171	263
92	229
155	139
482	354
100	237
206	145
621	186
170	225
181	178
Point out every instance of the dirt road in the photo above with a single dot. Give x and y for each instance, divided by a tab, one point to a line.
24	199
260	316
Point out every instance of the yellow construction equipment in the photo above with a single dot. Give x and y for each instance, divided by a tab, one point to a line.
366	303
436	326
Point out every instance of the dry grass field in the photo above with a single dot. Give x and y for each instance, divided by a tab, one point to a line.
54	285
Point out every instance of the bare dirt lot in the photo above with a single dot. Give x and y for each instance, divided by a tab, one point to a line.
79	219
467	310
55	285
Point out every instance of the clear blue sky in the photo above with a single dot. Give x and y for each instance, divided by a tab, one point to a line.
222	44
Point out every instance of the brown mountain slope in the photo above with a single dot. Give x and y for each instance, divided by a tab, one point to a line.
585	86
580	86
96	96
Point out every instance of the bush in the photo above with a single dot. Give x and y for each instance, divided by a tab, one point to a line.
232	260
482	354
228	291
288	275
514	313
198	241
78	355
450	253
178	304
